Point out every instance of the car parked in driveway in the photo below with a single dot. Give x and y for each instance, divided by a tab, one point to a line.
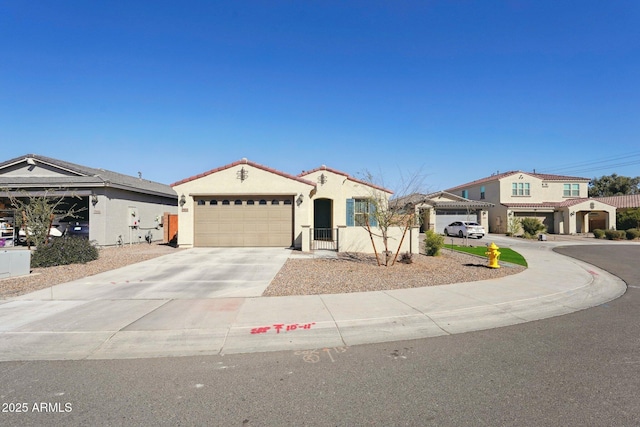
465	229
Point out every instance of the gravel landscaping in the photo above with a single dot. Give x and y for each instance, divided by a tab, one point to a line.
307	276
360	273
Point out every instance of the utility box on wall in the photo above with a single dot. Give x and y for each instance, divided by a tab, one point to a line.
134	218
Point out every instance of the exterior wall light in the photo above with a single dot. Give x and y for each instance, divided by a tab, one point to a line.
94	199
299	199
182	201
242	174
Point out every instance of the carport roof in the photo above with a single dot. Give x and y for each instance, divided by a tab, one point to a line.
244	162
79	176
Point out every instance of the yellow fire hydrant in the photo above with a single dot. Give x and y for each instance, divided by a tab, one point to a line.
493	253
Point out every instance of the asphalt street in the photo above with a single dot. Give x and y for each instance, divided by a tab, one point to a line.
575	370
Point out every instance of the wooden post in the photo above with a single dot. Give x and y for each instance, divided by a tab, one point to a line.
46	239
373	243
25	226
404	233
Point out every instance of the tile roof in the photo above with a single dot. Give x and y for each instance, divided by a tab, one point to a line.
542	176
433	200
548	205
621	202
349	177
244	162
85	176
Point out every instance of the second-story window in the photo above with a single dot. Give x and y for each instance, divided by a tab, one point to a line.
571	190
520	189
482	194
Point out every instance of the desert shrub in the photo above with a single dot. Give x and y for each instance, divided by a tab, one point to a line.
598	234
406	258
532	227
433	242
64	251
633	233
615	234
513	226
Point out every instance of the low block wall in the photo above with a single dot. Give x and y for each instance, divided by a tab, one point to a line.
14	262
357	239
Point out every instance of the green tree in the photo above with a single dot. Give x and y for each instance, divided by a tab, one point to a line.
628	218
614	185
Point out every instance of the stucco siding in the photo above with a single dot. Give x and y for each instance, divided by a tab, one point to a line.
227	182
109	218
357	239
339	188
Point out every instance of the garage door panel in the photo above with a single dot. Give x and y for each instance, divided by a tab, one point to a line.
244	224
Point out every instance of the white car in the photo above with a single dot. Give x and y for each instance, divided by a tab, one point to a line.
465	229
53	232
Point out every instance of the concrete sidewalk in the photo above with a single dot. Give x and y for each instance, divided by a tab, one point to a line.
144	324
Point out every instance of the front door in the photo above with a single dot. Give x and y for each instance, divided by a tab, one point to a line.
322	219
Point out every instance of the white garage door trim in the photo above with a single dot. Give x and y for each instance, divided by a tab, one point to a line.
243	221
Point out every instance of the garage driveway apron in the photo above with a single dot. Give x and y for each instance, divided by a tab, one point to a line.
189	274
174	305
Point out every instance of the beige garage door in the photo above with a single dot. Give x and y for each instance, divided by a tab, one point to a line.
243	221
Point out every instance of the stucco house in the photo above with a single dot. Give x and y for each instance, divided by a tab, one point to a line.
113	204
622	203
439	209
247	204
560	202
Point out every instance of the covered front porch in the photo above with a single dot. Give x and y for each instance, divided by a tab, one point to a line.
574	216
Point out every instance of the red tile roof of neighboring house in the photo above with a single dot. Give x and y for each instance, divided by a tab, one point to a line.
349	177
546	205
542	176
244	162
621	202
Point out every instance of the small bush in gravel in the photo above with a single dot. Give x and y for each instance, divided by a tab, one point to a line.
406	258
532	227
64	251
433	242
598	234
633	233
615	234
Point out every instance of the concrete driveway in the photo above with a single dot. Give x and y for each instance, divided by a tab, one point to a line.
191	274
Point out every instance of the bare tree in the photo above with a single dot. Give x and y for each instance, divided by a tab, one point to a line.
396	212
35	214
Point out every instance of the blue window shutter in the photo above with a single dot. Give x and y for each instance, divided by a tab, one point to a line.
373	222
350	213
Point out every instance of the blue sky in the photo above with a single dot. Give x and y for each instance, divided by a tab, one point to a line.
452	90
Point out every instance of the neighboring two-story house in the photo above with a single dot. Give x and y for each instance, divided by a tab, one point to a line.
560	202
